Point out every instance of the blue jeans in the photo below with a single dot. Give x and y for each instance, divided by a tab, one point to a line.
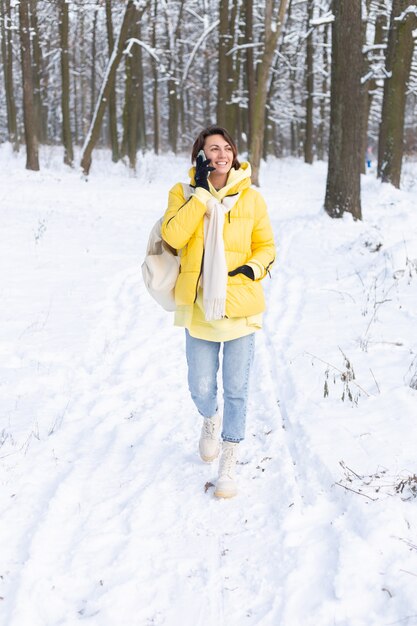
203	365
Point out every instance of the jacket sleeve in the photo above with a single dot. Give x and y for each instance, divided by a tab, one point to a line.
263	245
182	216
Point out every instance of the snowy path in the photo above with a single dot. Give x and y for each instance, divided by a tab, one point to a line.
125	513
106	513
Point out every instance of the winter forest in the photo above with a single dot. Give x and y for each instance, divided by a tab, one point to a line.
146	75
108	514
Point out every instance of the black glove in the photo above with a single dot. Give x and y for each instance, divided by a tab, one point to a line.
202	170
244	269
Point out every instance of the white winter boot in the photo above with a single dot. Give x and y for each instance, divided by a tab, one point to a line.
226	484
209	445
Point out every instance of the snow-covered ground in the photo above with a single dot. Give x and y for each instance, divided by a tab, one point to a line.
107	515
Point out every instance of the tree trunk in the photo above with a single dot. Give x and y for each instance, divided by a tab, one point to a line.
112	90
7	54
272	32
321	143
32	155
308	138
371	85
232	75
172	83
80	50
344	167
133	104
222	63
155	95
93	63
108	82
37	65
124	149
141	99
398	63
173	116
65	77
250	67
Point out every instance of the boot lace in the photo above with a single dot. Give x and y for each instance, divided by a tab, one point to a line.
209	428
228	463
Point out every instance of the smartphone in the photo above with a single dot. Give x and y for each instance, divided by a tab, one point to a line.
203	155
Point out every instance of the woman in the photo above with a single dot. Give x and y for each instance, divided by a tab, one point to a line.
226	244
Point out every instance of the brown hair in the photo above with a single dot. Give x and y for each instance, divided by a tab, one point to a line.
214	130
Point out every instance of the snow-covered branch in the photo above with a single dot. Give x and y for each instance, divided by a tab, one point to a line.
324	19
406	13
143	45
202	37
243	46
379	46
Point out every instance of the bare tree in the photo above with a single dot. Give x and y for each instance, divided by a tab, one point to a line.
65	78
344	168
109	77
112	93
250	67
398	63
272	25
227	79
93	60
32	153
7	55
155	90
37	65
133	88
308	138
321	142
374	66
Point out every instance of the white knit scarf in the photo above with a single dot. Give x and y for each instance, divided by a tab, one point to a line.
214	278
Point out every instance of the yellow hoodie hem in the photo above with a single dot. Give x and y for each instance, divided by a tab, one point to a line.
192	317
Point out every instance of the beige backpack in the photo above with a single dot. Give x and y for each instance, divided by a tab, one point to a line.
161	266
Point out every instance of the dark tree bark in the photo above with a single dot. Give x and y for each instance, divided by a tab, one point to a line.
250	67
108	82
81	53
140	94
65	79
131	105
308	138
155	94
398	62
93	63
37	65
222	65
344	168
7	55
112	90
232	75
32	151
172	83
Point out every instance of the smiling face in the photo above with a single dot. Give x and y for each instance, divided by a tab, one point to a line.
220	153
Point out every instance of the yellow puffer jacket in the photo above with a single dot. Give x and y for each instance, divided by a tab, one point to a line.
247	236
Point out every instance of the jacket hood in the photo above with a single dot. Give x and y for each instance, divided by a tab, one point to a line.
237	181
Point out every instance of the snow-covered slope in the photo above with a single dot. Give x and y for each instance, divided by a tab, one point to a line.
107	514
